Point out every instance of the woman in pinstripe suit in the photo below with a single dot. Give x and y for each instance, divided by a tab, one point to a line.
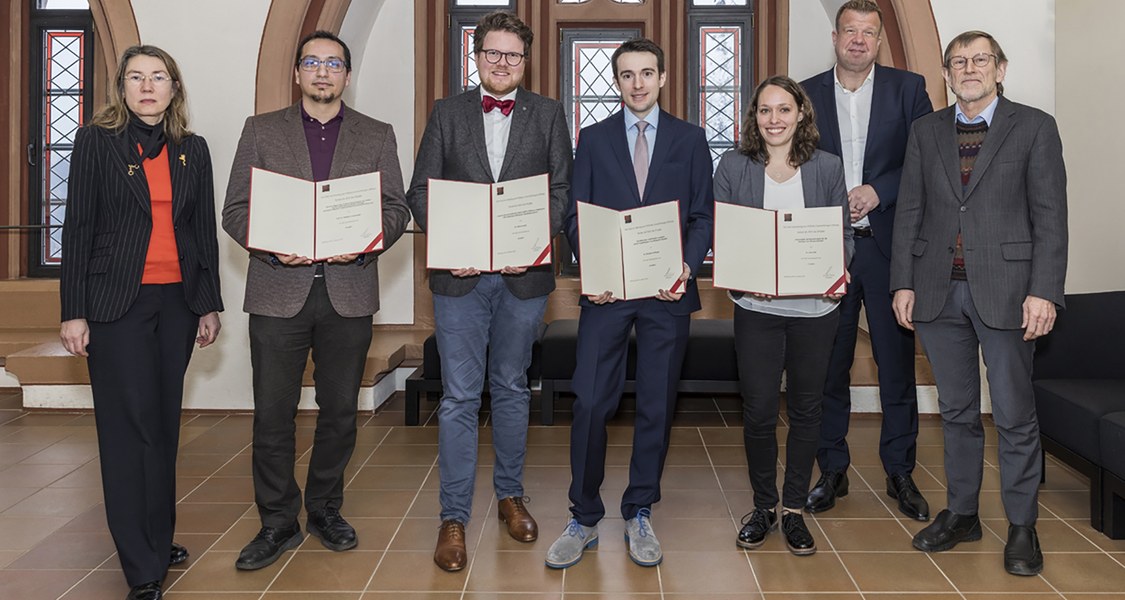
140	284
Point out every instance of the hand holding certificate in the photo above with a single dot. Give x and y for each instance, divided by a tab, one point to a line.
489	226
317	220
796	252
633	253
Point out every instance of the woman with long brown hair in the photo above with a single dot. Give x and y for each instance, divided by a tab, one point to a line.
140	285
778	167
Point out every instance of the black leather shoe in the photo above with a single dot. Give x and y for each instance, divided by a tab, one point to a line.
910	500
178	555
333	531
797	535
267	546
1022	555
755	526
831	485
146	591
948	530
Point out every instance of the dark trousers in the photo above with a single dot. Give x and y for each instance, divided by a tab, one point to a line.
953	343
766	345
893	350
599	380
279	349
137	366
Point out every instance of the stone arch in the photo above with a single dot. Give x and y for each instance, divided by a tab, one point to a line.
286	22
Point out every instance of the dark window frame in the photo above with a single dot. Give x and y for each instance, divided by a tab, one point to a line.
40	21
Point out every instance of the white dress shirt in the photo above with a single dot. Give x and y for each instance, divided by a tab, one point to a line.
496	130
853	113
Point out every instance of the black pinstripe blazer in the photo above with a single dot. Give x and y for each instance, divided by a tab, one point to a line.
109	221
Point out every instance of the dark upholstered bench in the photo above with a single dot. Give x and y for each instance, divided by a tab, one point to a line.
1079	382
1112	438
709	365
427	378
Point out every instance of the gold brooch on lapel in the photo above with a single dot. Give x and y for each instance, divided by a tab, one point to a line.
183	159
132	168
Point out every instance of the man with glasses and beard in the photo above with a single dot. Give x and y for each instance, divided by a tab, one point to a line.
487	322
296	304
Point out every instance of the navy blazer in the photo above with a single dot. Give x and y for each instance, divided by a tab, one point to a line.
680	169
109	221
898	99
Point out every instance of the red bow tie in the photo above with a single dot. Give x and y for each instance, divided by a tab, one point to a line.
505	106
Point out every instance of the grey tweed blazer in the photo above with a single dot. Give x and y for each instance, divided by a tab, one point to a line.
453	148
276	141
1011	216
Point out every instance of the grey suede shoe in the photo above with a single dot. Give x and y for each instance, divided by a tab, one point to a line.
644	548
568	549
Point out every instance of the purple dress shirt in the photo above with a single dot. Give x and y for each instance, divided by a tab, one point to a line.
321	138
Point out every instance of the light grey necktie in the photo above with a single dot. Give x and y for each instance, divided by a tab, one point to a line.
640	158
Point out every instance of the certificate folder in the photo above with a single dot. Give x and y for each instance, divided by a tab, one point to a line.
798	252
632	253
315	219
488	226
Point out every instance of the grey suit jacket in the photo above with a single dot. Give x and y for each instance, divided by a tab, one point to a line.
1011	216
276	142
453	148
741	180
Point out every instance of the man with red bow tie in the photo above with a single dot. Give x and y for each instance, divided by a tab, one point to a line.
496	132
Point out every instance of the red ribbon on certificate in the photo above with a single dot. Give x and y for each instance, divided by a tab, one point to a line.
838	287
675	286
375	242
542	256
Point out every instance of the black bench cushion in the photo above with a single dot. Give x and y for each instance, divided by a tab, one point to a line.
1086	342
710	351
431	360
1070	409
1113	443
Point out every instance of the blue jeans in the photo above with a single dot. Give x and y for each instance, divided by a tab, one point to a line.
464	326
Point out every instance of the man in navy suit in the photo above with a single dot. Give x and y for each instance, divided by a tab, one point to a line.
614	168
864	112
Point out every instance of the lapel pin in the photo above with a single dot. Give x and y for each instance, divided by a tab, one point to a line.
183	159
132	168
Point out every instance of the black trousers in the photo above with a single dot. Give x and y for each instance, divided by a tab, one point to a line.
279	349
766	345
137	366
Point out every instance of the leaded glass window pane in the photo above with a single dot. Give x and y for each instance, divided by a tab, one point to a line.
482	2
720	48
593	96
469	76
63	86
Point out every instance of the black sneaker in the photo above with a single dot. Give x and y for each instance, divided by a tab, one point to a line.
797	535
268	546
334	532
755	526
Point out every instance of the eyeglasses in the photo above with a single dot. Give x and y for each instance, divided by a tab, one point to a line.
312	63
512	58
960	62
157	79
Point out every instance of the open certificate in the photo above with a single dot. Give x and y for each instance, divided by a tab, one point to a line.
633	253
489	226
315	219
796	252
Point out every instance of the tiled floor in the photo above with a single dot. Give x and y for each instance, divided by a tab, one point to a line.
54	543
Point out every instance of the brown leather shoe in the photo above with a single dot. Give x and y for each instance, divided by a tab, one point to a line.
450	554
521	526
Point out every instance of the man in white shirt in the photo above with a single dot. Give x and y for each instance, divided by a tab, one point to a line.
864	112
486	323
